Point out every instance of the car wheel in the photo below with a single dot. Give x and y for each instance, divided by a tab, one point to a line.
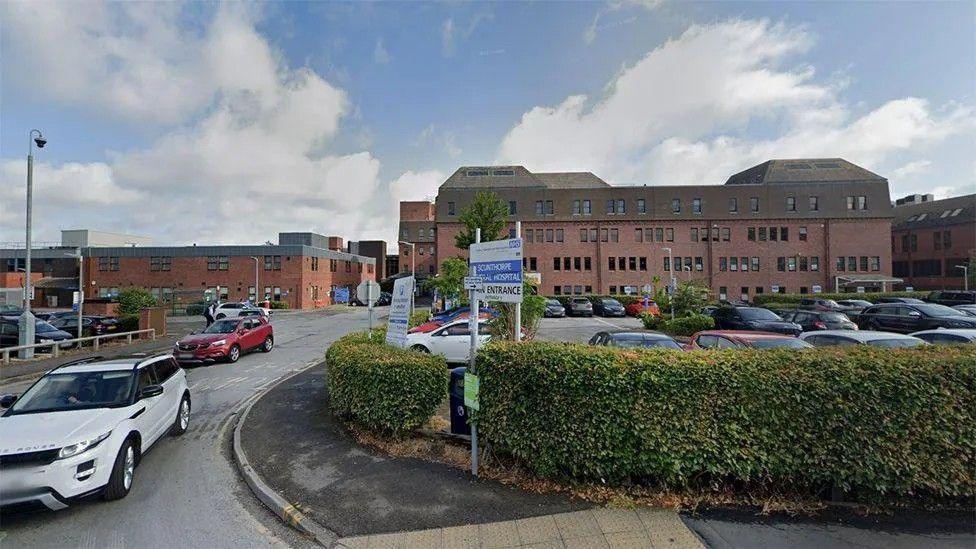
268	344
234	353
182	417
120	482
221	316
421	348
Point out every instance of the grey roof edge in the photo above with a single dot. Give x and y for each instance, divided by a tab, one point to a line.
190	251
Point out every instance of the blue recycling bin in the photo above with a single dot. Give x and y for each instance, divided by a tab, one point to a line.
459	413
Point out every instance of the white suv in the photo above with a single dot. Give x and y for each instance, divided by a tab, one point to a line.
232	309
83	427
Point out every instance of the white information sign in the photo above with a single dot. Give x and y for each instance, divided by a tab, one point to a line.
817	289
775	288
396	328
499	262
474	282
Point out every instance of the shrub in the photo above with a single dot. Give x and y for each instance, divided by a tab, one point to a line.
687	325
651	322
793	299
131	300
278	305
381	387
128	323
872	421
419	316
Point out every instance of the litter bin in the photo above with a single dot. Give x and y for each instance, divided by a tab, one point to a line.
459	413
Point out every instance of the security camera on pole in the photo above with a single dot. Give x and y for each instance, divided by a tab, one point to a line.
26	321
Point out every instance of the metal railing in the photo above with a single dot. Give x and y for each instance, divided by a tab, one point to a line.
56	345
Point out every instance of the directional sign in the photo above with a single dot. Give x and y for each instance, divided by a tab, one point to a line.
474	282
368	292
396	328
472	390
499	262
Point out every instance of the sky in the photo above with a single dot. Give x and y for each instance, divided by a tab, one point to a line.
227	123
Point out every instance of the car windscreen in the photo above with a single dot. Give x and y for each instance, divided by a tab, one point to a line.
638	340
931	309
896	343
755	313
42	327
830	303
780	342
58	392
611	303
221	327
553	303
581	301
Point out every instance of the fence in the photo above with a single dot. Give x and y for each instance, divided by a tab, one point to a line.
56	345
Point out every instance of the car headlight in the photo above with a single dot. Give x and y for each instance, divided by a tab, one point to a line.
85	445
219	343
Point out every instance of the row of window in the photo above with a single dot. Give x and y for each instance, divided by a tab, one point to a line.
798	263
734	264
945	214
108	263
853	264
421	233
420	250
160	263
618	206
661	234
762	234
941	240
929	267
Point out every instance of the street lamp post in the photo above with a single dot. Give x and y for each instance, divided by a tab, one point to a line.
965	277
674	283
413	271
27	318
256	285
81	288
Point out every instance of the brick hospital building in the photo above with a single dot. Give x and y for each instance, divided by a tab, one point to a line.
796	226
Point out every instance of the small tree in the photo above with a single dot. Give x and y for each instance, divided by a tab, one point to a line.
450	279
533	307
688	299
487	212
131	300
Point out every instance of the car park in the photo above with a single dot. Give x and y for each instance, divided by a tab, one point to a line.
947	337
822	320
840	338
912	317
953	297
607	306
638	308
554	309
93	325
43	333
452	341
579	306
744	339
634	338
969	310
753	318
82	428
225	340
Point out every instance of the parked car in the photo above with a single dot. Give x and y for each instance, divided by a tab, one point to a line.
82	428
634	338
822	320
10	310
786	314
43	333
637	308
579	306
225	339
947	337
452	340
852	307
753	318
818	304
465	315
53	315
899	300
382	300
233	308
953	297
834	338
90	325
554	309
608	306
969	310
739	339
912	317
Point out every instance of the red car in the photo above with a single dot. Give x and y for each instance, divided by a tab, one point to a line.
740	339
637	308
226	339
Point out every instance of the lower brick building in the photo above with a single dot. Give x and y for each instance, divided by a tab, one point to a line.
300	270
930	240
797	226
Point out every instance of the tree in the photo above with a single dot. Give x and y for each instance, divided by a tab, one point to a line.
533	307
688	298
449	279
131	300
487	212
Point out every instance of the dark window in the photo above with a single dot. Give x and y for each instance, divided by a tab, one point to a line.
840	263
864	263
802	234
696	205
556	264
512	207
899	268
642	263
587	264
754	204
577	263
450	208
641	206
852	263
927	267
723	264
612	263
667	263
676	205
532	263
567	263
784	234
621	263
752	234
914	242
804	264
773	234
165	369
947	239
780	263
632	263
687	263
937	240
734	205
814	204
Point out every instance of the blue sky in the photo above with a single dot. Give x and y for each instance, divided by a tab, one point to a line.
168	119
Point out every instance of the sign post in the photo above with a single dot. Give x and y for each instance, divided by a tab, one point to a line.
396	328
472	374
368	292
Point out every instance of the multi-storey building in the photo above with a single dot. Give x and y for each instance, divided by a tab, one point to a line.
418	229
785	225
930	240
302	270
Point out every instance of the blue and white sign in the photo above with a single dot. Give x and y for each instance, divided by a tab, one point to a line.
341	295
396	326
499	263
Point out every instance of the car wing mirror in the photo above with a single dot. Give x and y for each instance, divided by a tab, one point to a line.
150	391
914	313
6	401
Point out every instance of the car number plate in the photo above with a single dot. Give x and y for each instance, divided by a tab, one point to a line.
184	355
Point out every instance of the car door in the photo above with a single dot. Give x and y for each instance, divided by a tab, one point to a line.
150	419
456	342
166	370
725	343
246	334
910	319
734	321
706	341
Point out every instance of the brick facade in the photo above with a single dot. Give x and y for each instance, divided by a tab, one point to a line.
929	240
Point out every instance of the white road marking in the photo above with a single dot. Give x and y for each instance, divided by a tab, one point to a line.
598	319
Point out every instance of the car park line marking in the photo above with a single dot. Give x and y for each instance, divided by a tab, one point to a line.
607	323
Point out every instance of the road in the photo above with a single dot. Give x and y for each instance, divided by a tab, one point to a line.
186	489
581	329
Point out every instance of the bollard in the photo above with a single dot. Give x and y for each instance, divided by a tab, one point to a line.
96	340
128	338
55	350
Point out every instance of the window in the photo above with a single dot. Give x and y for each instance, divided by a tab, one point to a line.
929	267
582	235
163	263
875	263
754	263
642	263
221	263
511	234
790	204
539	207
556	264
727	234
557	290
723	264
613	290
587	263
802	234
754	204
611	263
699	264
744	263
315	263
784	234
638	235
632	263
840	264
450	208
667	263
676	205
610	206
549	208
567	263
586	208
659	235
621	206
577	263
669	234
773	234
733	205
533	264
790	263
549	235
751	232
852	263
512	208
814	263
804	264
780	263
694	234
272	263
862	202
687	263
762	234
947	239
696	205
421	252
621	263
864	263
614	235
108	263
734	264
529	235
937	240
914	242
850	202
641	206
592	235
559	235
576	207
814	204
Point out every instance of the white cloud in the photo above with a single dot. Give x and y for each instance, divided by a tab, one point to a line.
596	26
417	185
681	113
380	55
912	168
447	38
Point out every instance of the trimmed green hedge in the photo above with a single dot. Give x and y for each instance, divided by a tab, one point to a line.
762	299
278	305
872	421
381	387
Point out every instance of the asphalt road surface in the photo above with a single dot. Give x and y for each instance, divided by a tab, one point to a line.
581	329
187	490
